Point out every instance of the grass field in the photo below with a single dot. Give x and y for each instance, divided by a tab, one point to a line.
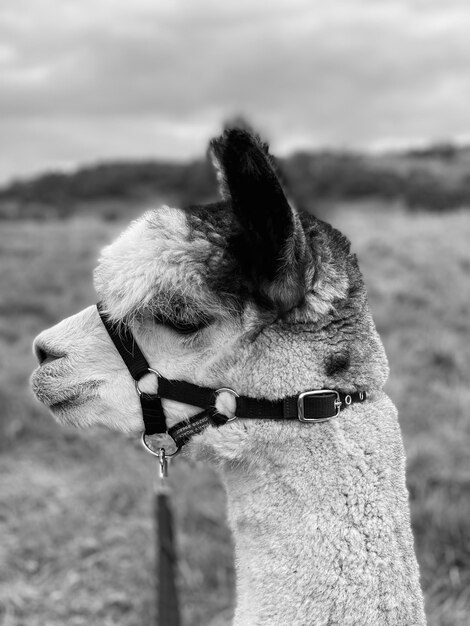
75	516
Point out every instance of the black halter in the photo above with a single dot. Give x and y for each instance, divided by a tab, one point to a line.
308	406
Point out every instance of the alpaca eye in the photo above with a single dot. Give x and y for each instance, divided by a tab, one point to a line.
181	326
185	327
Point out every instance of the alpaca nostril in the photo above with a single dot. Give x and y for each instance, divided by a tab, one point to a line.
41	355
44	355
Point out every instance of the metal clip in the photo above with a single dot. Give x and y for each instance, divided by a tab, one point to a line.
162	464
163	440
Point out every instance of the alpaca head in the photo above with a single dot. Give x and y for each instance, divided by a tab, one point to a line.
246	293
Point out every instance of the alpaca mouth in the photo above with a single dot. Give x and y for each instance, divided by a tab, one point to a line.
74	400
70	397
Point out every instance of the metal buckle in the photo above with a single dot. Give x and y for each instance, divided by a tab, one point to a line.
320	392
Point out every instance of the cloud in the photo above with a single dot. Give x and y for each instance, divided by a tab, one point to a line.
112	77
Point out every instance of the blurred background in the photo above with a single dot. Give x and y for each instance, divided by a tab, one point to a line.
106	108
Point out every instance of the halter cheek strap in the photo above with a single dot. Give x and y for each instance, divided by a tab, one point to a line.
309	406
131	354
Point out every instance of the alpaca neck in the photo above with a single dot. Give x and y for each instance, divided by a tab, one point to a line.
320	520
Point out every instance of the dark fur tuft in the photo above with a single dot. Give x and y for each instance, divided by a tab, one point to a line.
337	363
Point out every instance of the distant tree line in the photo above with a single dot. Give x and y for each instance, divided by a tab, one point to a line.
312	178
333	176
62	194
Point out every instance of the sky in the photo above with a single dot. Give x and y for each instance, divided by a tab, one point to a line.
89	80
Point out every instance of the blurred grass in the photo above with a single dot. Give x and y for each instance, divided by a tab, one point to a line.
75	512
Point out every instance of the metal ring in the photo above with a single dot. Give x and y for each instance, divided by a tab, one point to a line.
348	400
149	449
235	395
137	388
361	395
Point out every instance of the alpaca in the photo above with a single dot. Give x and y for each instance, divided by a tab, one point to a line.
252	294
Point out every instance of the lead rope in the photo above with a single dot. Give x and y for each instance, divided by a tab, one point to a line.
168	613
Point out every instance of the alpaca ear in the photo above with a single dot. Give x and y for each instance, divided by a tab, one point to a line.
270	246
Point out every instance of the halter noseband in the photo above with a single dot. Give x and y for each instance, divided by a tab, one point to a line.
309	406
